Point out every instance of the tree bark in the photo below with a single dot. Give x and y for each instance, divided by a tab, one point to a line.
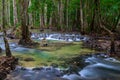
42	23
15	15
95	24
81	17
67	16
9	14
8	52
85	15
61	15
25	40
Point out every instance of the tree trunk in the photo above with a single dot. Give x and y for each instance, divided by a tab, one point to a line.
25	40
6	16
15	15
81	17
112	36
8	52
61	15
67	17
42	23
85	15
95	24
30	17
7	13
30	20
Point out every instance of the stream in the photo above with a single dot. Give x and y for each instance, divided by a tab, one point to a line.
100	67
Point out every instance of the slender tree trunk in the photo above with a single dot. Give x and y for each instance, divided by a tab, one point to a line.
54	20
33	18
9	13
55	16
85	15
42	23
66	14
8	52
15	15
81	17
30	20
45	14
6	13
50	22
95	24
61	15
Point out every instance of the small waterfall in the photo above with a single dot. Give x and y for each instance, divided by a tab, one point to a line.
59	36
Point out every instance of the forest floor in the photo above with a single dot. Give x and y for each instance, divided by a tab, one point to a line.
102	44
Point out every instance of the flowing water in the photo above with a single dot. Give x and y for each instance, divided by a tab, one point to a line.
58	36
101	67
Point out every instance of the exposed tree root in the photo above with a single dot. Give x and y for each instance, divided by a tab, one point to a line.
6	65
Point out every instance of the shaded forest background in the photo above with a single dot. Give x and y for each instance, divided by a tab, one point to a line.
84	16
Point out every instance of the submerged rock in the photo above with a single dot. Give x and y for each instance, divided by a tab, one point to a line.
29	59
23	68
0	49
38	68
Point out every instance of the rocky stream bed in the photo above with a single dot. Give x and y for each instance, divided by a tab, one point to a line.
91	66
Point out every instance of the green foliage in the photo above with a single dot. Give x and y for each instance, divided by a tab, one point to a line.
11	11
109	9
